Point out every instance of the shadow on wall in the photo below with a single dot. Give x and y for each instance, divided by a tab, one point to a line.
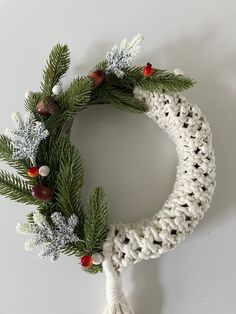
217	99
147	295
216	96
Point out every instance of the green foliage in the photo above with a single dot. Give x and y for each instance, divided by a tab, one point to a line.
122	99
16	188
94	269
101	66
163	81
76	249
78	93
96	221
69	180
119	91
47	209
31	102
132	77
30	217
74	99
66	176
57	65
159	81
6	156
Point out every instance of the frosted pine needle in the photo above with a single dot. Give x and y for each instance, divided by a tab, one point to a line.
52	238
26	137
120	58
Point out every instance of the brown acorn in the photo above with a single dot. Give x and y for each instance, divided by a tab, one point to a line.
42	192
47	106
97	77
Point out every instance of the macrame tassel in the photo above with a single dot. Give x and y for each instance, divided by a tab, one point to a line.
117	301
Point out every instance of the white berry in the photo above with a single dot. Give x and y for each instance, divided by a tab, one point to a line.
44	171
178	72
29	94
97	258
57	89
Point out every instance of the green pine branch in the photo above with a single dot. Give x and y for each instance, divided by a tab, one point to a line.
16	189
30	217
74	99
122	99
164	81
101	66
68	182
132	78
77	249
57	65
159	81
6	156
94	269
66	175
47	209
31	102
96	221
79	92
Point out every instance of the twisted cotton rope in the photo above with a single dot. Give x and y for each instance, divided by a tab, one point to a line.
185	207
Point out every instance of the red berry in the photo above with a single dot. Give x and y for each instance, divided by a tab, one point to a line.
97	77
148	70
86	261
42	193
33	172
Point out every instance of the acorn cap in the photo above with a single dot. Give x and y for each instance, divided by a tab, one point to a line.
47	106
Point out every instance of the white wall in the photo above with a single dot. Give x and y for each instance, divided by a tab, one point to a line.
197	36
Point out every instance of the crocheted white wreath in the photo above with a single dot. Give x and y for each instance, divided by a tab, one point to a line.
50	170
186	205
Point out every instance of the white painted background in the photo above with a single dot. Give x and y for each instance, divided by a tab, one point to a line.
197	36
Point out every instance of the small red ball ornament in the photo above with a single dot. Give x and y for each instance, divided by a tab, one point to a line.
86	261
148	70
97	77
33	172
42	193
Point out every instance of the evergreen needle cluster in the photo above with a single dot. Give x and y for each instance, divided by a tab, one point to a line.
66	167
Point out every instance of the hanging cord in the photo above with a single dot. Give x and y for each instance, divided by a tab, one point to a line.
117	301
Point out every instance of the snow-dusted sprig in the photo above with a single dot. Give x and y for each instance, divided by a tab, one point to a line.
26	137
52	238
120	58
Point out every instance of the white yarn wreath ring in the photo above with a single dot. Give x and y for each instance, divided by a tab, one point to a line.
192	194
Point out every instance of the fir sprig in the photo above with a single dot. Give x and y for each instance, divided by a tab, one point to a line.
57	65
96	221
31	102
16	189
6	155
122	99
66	176
159	81
164	81
69	180
74	99
78	93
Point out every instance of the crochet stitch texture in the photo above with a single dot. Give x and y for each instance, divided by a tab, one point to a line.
192	192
